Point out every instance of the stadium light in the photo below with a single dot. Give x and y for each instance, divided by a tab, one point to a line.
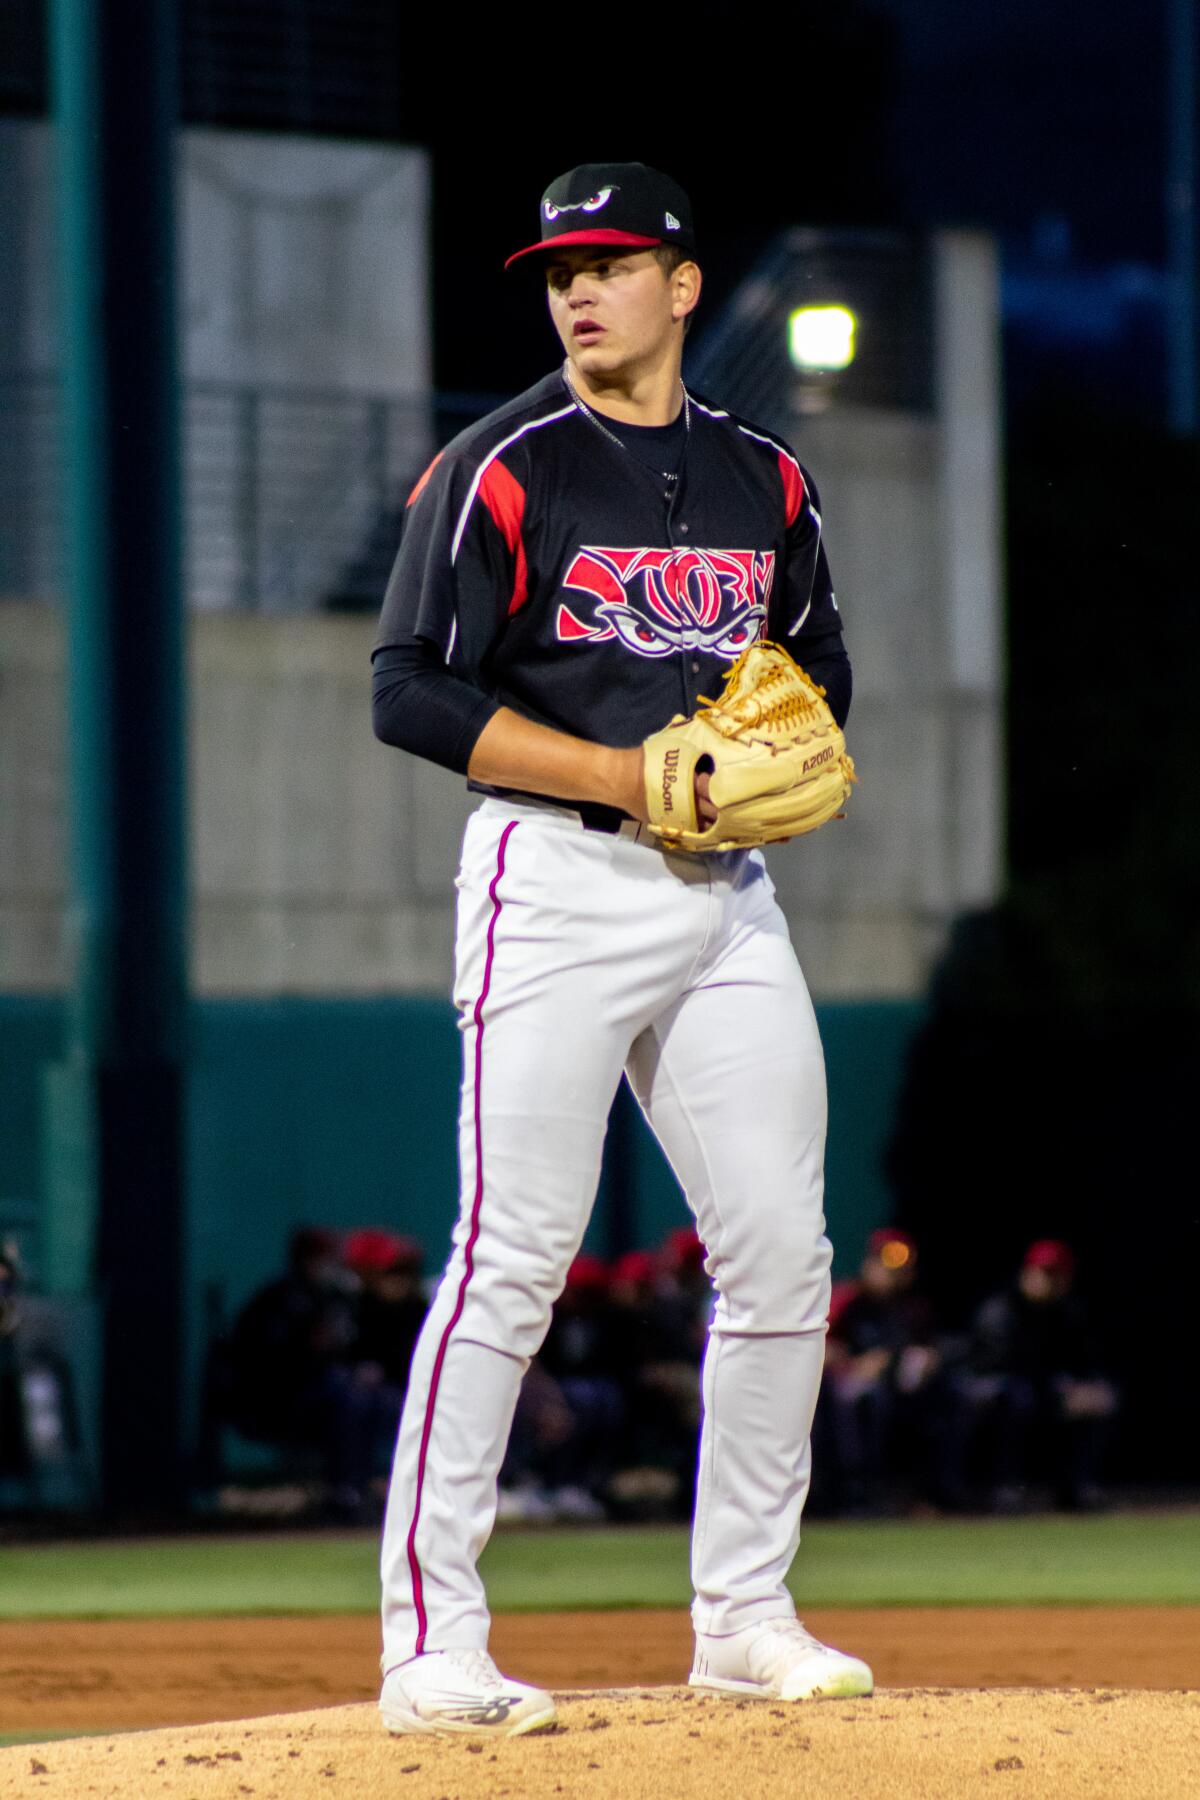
822	338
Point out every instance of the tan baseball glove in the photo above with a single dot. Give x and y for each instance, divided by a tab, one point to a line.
776	754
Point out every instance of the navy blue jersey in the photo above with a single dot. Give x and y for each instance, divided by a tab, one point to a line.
563	576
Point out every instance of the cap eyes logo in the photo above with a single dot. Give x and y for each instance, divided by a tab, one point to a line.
659	601
588	206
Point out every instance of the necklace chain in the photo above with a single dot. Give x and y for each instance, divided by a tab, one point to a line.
587	412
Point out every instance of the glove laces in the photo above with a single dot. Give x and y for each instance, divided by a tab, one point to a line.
783	697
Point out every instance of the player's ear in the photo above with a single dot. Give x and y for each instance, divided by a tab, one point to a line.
686	282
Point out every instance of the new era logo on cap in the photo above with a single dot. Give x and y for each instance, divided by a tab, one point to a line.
626	204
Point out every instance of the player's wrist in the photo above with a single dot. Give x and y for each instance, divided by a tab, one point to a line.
624	782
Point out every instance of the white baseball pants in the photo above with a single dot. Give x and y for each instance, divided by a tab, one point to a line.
580	955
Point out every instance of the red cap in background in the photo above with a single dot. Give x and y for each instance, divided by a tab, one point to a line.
373	1251
638	1267
588	1275
1050	1254
682	1249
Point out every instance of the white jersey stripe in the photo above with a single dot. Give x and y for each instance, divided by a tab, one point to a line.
783	450
775	445
717	413
564	412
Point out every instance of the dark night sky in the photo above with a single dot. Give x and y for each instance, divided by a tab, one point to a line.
700	94
1017	109
875	112
1042	120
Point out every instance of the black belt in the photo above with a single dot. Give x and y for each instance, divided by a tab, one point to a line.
595	817
599	818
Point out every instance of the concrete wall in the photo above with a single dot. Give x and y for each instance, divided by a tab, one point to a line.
870	896
302	262
911	503
305	263
324	862
305	335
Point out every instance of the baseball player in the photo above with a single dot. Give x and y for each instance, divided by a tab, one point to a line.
581	565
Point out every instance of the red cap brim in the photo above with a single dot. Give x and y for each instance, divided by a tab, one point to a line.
569	239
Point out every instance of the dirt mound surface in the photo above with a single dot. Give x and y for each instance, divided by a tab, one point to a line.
664	1743
105	1675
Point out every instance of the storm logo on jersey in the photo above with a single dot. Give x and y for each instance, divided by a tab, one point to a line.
655	602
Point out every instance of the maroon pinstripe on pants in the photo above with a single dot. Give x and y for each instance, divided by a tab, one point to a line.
469	1251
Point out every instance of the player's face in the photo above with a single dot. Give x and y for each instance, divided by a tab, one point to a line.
616	311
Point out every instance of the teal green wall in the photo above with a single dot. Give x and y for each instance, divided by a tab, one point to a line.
342	1112
866	1047
331	1112
31	1030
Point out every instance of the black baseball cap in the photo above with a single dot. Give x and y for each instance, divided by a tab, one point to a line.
613	203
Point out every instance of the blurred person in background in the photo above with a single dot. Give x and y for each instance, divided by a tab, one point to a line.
662	1325
390	1307
1037	1385
39	1420
290	1376
894	1415
14	1449
683	1287
565	1438
542	1424
580	1352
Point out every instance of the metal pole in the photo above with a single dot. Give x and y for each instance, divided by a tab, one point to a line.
1183	243
115	1108
247	503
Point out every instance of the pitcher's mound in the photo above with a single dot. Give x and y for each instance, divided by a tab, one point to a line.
664	1744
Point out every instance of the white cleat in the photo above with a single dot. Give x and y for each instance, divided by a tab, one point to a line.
778	1660
461	1693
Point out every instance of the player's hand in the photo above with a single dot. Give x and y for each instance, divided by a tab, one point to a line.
631	788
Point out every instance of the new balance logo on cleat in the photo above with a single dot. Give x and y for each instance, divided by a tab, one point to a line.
461	1693
494	1713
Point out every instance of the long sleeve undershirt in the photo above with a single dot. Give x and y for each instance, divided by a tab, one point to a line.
419	706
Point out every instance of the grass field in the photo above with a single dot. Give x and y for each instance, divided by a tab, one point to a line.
1118	1559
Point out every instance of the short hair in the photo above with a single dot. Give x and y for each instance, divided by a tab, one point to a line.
670	257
